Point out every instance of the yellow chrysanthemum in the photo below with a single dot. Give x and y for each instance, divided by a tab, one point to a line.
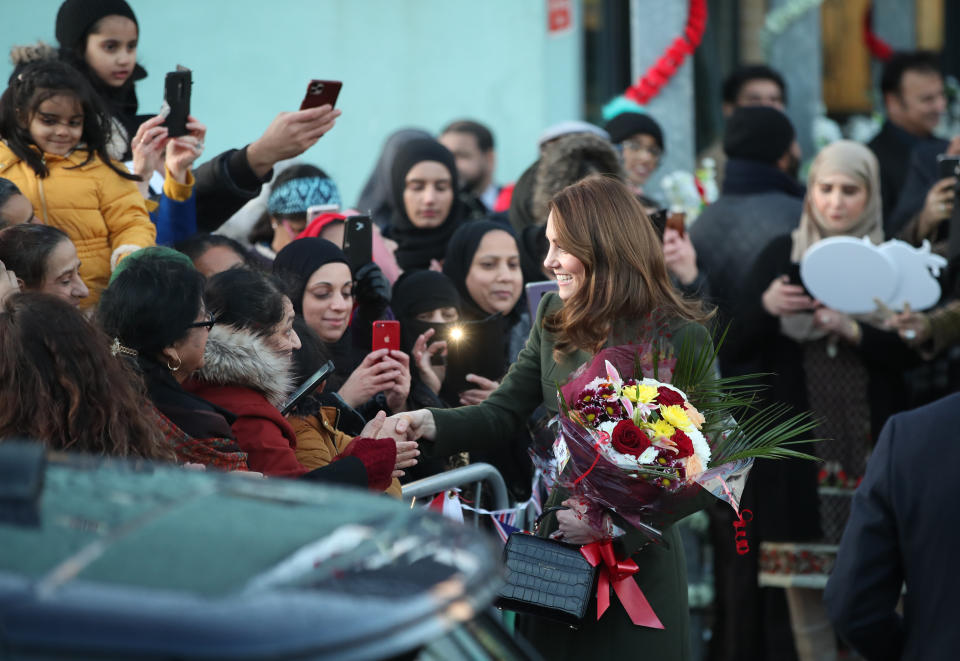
676	416
663	428
640	393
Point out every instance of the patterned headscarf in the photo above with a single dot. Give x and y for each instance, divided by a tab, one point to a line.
298	195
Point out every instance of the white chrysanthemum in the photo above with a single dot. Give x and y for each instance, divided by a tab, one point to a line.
649	455
607	426
700	446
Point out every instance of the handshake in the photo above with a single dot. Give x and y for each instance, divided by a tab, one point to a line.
404	429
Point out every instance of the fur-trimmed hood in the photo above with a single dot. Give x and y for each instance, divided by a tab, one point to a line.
567	160
240	358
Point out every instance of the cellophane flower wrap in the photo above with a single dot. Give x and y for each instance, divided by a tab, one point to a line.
635	444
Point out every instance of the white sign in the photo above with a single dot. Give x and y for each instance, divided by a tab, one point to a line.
849	274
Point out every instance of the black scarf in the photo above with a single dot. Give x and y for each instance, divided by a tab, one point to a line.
416	246
460	251
194	415
743	177
417	292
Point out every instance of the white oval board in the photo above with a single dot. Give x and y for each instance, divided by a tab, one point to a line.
916	284
846	274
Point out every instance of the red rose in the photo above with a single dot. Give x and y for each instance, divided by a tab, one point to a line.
668	397
684	444
629	439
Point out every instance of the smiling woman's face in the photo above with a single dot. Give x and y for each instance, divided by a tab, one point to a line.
567	269
494	280
328	301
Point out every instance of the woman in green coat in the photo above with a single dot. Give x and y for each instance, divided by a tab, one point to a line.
613	290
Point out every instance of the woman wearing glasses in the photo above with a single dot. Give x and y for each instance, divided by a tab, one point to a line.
154	312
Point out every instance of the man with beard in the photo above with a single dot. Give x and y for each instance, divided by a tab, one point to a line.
472	146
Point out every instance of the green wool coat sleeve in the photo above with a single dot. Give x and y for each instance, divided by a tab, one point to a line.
496	420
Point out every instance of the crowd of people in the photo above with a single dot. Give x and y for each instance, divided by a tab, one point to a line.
154	304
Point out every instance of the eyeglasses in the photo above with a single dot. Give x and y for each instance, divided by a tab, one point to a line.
637	146
208	324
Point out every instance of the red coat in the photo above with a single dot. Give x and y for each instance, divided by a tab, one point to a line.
261	431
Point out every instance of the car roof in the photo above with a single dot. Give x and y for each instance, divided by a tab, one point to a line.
130	557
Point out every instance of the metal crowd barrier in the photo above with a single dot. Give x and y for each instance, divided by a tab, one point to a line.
478	474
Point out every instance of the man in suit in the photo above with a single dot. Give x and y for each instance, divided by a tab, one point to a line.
914	101
902	529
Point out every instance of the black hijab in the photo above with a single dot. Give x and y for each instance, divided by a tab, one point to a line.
421	291
460	251
416	246
299	260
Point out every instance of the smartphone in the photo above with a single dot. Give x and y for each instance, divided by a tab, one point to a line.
659	220
793	273
473	347
676	220
386	335
948	166
318	209
358	241
308	387
321	92
535	291
176	93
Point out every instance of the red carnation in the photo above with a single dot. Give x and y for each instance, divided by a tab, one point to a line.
629	439
668	397
684	444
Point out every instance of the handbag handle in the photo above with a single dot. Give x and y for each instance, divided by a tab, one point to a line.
545	512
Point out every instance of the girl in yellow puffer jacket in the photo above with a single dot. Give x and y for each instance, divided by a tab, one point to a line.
54	132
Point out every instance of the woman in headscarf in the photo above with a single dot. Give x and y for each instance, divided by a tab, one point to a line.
426	210
483	261
323	289
846	370
376	199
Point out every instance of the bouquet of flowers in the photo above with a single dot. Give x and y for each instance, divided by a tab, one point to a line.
642	445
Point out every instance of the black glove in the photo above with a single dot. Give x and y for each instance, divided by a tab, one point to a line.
373	288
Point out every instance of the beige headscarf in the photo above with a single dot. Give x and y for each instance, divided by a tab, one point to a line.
858	162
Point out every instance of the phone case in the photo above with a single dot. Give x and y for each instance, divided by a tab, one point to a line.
386	335
177	95
321	92
358	241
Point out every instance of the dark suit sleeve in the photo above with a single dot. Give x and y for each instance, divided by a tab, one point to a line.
224	184
865	584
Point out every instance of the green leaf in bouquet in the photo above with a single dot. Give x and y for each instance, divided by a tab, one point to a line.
564	407
765	434
744	427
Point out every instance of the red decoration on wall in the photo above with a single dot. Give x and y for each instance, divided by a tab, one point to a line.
877	46
660	73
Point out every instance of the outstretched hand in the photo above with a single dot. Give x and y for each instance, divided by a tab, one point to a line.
290	134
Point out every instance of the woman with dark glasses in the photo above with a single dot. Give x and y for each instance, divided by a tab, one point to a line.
154	311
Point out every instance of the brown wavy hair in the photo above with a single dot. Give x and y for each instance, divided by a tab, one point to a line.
601	223
60	385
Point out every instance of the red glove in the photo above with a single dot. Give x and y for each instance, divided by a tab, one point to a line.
379	457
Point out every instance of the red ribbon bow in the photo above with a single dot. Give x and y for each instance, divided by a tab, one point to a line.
620	574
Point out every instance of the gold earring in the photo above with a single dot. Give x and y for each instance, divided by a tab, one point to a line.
174	368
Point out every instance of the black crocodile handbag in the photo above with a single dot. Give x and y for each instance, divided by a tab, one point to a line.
546	578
